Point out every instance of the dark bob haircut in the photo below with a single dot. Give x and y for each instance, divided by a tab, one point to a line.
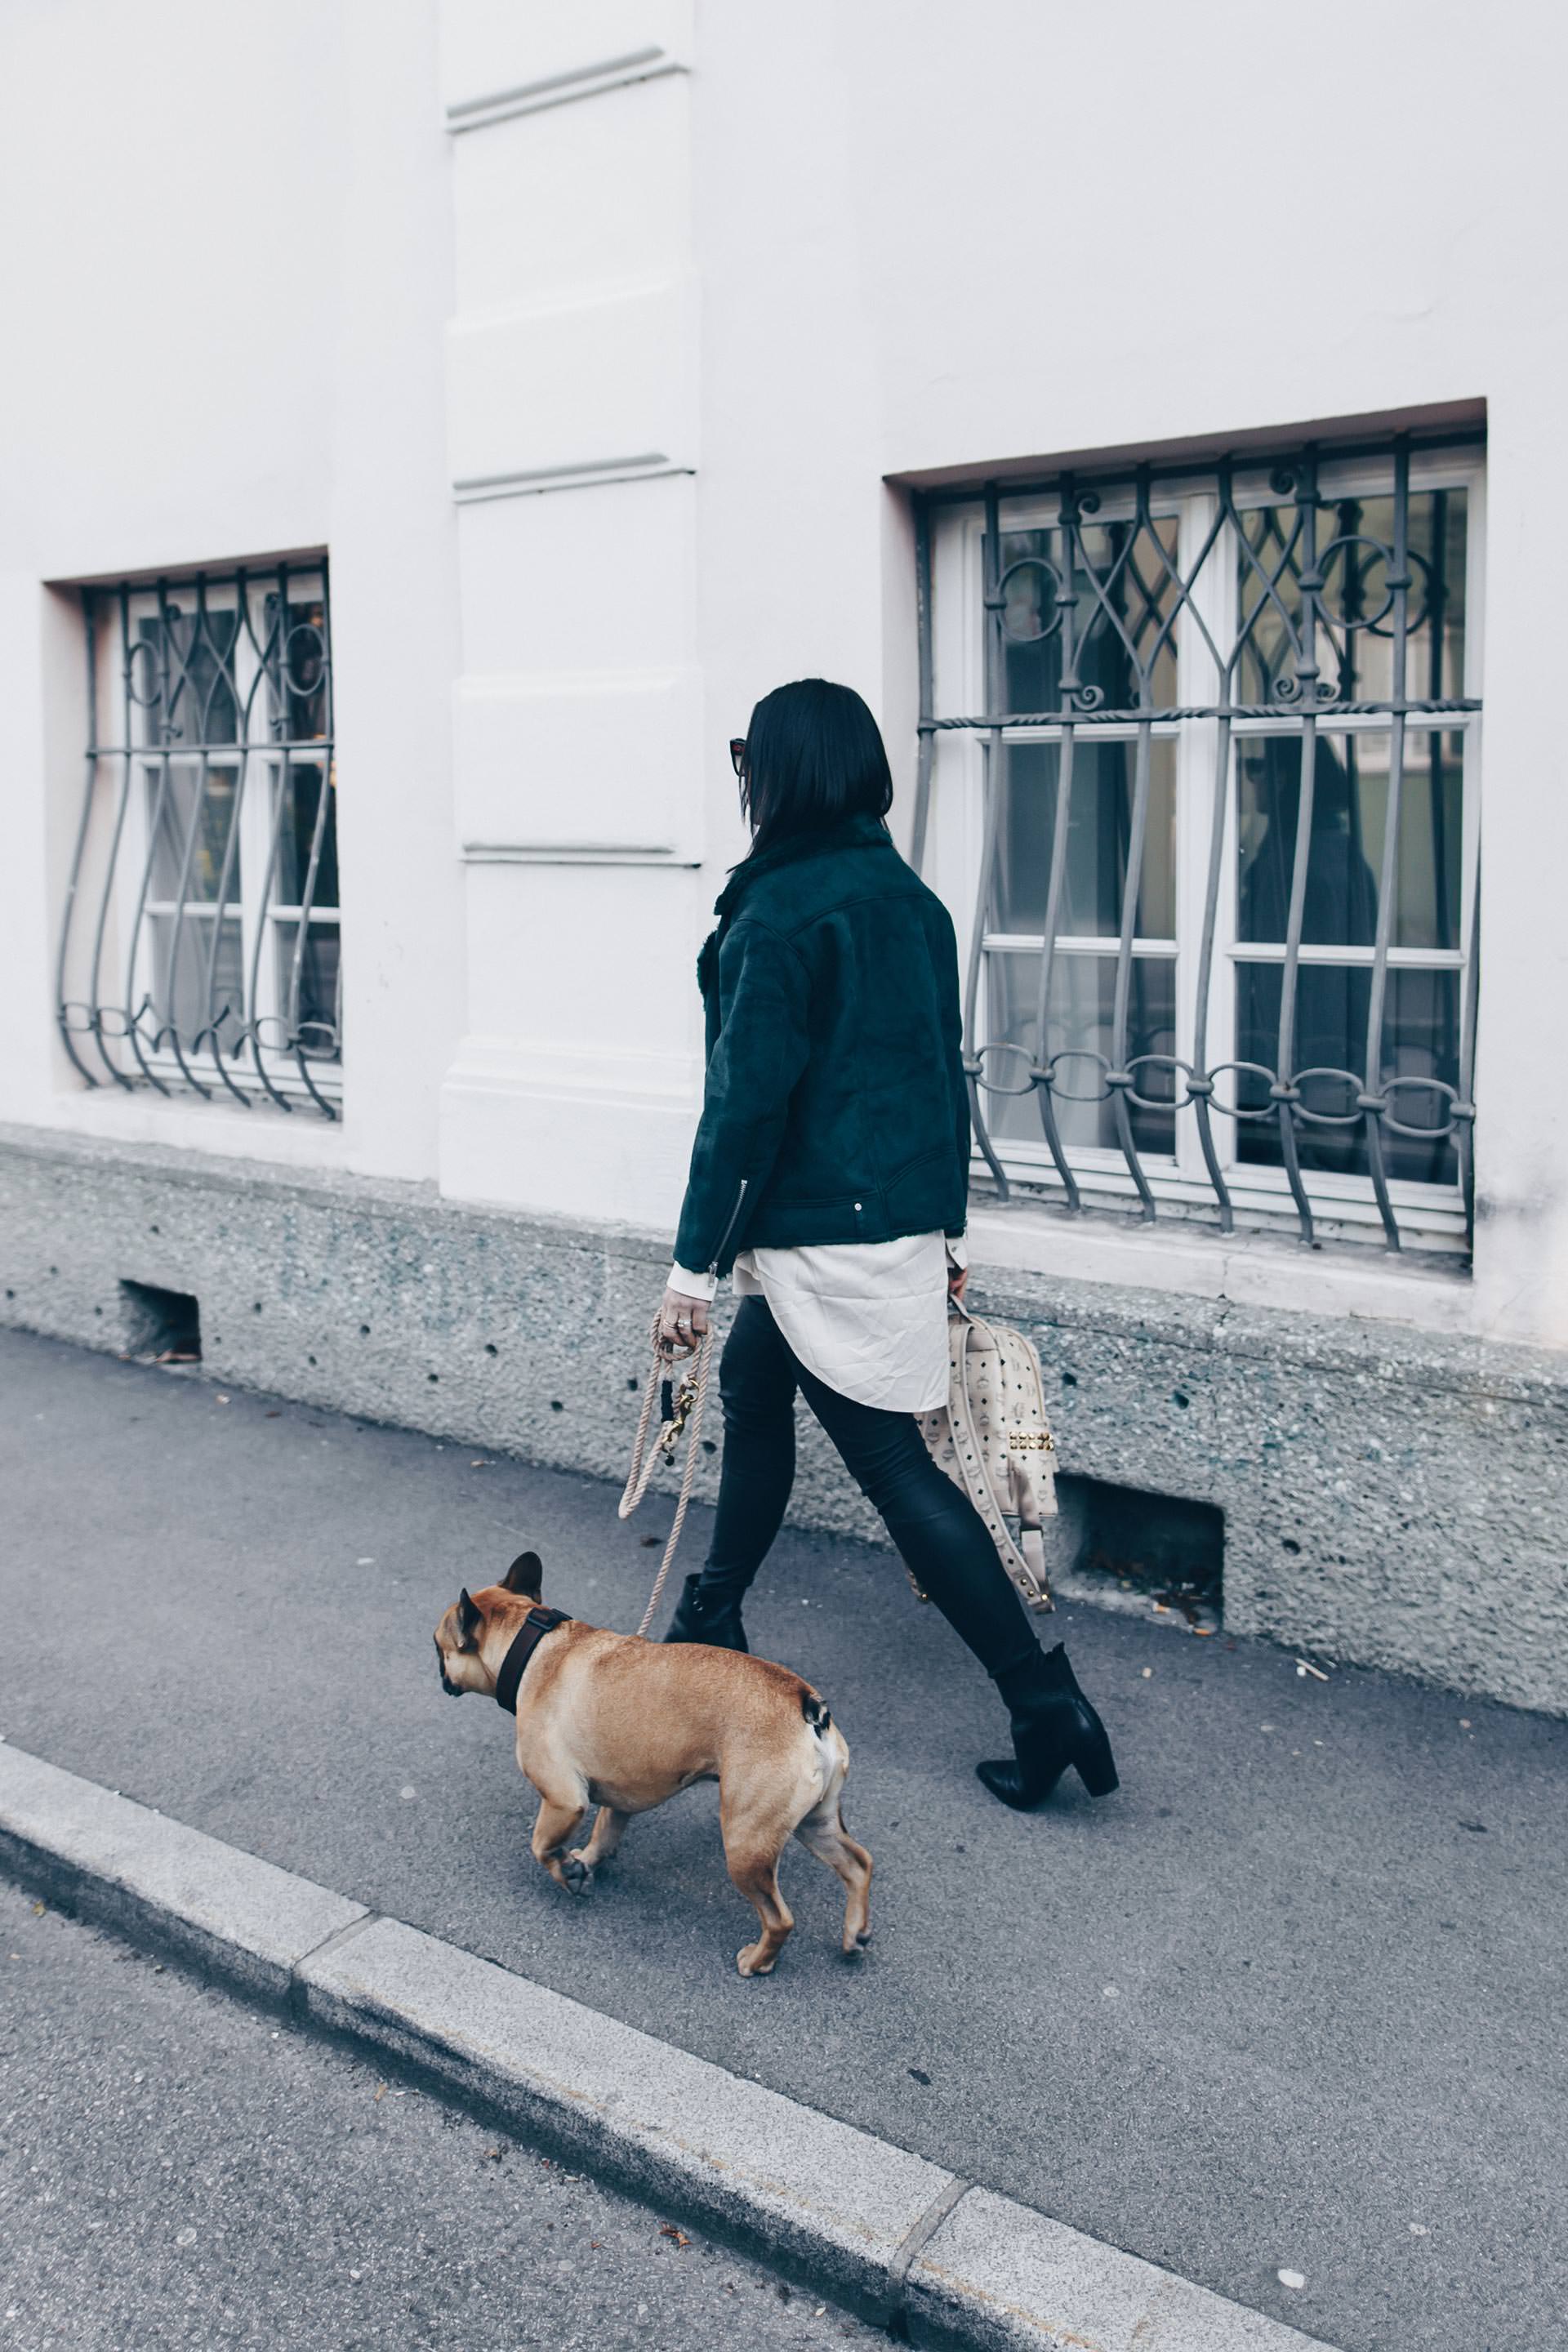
815	756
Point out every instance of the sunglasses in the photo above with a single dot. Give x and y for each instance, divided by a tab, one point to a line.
738	754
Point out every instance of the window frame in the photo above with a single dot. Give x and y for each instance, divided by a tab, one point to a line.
951	828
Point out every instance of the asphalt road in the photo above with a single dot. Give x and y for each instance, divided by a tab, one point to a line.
1291	2000
176	2169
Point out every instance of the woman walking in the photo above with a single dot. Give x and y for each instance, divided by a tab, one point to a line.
830	1174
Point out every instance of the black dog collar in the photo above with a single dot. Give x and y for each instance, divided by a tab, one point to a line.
535	1625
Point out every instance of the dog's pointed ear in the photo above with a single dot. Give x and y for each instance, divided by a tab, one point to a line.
470	1617
526	1575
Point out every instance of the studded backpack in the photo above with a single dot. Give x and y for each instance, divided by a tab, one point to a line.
992	1439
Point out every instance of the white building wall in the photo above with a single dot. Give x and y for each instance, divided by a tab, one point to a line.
727	291
226	273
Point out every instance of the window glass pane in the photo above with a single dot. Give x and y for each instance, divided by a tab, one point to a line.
297	669
1420	1040
1350	817
1355	638
1098	832
183	678
312	1015
1031	631
300	786
195	977
1431	839
1436	665
1082	1006
1357	601
1123	645
182	791
1340	908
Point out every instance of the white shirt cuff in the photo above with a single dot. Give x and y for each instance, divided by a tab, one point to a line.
958	1251
689	1284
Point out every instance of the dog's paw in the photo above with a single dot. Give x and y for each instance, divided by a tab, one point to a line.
749	1964
576	1874
854	1945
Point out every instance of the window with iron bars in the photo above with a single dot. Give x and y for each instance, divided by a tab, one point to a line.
199	946
1200	775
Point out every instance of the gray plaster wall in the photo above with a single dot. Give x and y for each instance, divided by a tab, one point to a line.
1390	1498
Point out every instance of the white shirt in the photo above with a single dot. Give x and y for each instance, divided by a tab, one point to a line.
869	1319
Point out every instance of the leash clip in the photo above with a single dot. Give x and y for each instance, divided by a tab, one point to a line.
677	1416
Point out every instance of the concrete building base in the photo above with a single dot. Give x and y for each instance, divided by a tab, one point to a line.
1390	1498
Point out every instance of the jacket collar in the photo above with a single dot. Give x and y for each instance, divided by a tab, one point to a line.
862	832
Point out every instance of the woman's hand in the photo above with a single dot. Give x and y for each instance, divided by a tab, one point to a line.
957	1276
682	1321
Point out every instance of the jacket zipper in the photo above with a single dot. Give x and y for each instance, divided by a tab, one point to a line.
734	1220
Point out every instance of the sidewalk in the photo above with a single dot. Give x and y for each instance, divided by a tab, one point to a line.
1279	2005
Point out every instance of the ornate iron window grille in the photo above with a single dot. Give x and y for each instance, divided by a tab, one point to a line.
199	941
1317	600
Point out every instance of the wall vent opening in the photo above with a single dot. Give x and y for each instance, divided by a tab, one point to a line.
161	1327
1129	1550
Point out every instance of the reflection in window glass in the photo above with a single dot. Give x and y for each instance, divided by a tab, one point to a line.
1349	828
1099	828
1354	638
183	676
296	669
1079	1022
195	977
173	811
1121	627
1420	1030
302	787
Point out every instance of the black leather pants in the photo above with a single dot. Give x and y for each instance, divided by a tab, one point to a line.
936	1527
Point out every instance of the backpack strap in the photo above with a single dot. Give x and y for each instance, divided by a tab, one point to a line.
1031	1513
1031	1533
1029	1576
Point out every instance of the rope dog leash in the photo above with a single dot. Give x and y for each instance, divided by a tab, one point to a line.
681	1415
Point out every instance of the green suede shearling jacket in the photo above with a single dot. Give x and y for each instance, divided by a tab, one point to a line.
836	1108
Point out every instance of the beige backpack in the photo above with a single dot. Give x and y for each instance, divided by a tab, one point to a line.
993	1440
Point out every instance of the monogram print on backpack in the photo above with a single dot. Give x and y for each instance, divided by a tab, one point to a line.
992	1439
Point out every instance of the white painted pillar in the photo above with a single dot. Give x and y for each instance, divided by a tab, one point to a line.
577	715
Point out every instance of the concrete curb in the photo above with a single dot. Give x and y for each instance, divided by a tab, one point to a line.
897	2239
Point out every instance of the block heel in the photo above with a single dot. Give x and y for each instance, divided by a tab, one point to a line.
1095	1765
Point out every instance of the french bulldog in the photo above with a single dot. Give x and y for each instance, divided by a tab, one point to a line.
608	1719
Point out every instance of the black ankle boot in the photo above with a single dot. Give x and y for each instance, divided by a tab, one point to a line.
712	1616
1053	1725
